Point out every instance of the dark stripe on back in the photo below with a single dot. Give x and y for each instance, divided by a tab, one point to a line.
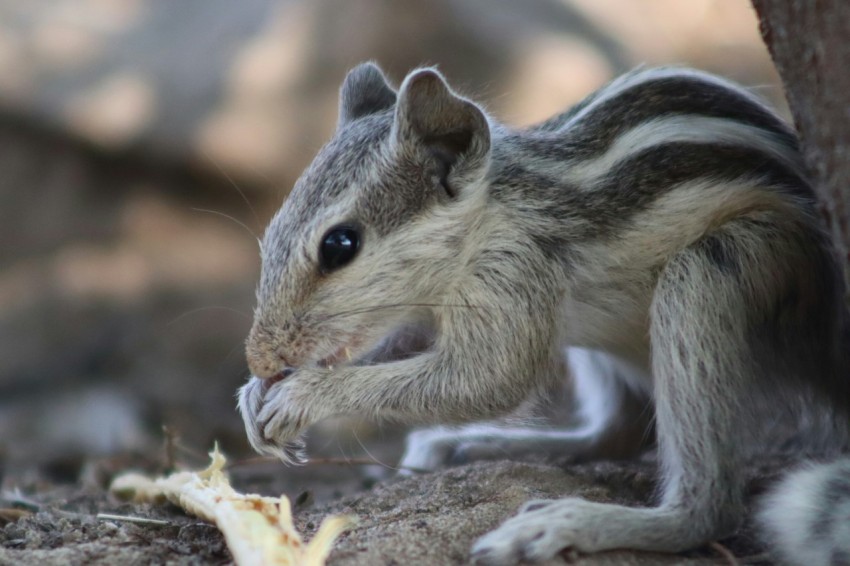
631	186
645	101
634	182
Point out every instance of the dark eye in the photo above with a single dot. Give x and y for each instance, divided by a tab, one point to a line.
338	247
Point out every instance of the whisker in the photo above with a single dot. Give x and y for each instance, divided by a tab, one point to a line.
235	186
233	350
211	307
259	173
245	226
370	455
396	306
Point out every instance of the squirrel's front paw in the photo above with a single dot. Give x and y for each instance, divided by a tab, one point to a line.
272	420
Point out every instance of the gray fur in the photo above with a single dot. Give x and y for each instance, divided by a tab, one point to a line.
663	230
364	92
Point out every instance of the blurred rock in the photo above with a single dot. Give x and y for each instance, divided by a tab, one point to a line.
251	86
122	307
87	420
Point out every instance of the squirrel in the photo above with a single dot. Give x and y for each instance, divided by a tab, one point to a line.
435	266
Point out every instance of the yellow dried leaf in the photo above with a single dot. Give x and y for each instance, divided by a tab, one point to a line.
258	529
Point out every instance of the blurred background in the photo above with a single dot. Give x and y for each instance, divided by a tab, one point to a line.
145	144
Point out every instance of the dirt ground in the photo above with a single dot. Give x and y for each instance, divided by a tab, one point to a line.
427	519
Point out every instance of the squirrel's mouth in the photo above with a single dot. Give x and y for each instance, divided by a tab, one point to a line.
405	340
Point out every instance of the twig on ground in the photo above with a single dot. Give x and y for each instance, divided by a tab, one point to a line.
12	515
132	519
16	498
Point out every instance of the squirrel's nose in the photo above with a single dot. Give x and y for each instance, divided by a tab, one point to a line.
265	365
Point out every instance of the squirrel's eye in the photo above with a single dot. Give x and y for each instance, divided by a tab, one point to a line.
339	246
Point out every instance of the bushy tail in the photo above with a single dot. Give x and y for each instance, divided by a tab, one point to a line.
805	519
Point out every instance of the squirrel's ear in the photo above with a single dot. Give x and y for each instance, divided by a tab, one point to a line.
364	91
452	129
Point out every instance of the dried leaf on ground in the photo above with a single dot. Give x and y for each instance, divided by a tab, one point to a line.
258	529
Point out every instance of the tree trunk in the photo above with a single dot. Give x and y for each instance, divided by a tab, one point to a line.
810	43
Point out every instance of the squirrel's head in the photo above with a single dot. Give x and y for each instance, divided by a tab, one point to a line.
374	230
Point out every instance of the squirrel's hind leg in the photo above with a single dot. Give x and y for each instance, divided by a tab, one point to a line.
707	379
613	420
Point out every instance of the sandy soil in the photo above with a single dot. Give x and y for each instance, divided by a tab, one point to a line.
425	519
